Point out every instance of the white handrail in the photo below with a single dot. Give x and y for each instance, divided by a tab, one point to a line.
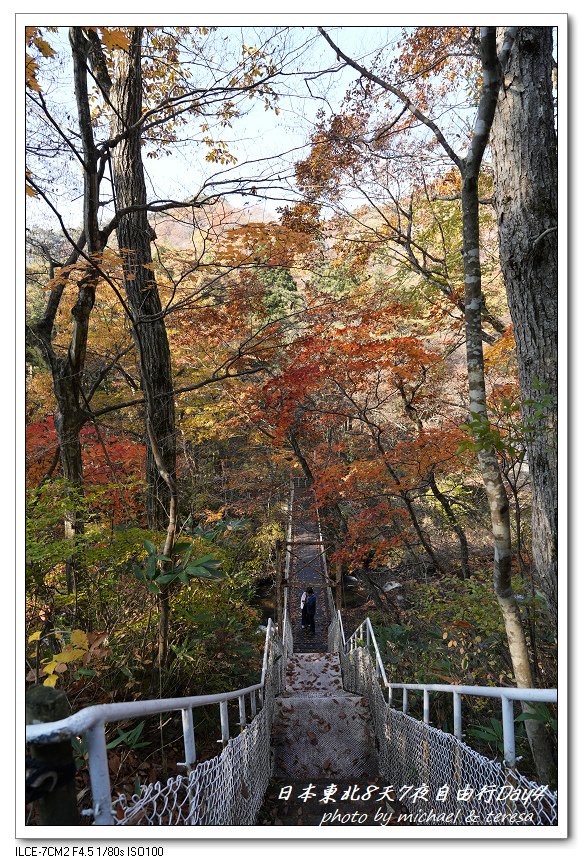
507	696
534	695
107	713
92	720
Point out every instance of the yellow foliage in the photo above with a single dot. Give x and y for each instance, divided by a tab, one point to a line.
69	654
44	47
34	38
50	681
79	638
113	37
30	74
502	355
50	667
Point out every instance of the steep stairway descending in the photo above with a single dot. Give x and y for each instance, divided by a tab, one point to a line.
307	569
320	730
321	736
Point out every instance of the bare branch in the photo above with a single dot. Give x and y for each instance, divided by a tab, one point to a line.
399	94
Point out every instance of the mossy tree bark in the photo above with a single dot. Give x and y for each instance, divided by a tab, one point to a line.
524	149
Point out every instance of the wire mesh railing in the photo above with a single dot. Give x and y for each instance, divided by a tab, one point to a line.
225	790
436	776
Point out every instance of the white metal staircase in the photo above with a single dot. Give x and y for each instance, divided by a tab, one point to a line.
325	714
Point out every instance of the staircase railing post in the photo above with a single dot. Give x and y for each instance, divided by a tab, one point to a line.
189	742
278	588
99	774
224	710
457	715
508	731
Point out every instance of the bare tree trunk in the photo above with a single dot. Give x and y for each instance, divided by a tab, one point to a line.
403	494
524	148
454	523
413	414
489	467
134	235
164	598
67	369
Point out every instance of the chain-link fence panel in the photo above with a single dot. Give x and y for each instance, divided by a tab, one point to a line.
226	790
433	773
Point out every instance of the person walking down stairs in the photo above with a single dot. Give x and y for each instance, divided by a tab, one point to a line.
310	608
304	610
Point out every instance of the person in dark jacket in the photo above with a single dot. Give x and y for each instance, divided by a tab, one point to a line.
303	600
310	608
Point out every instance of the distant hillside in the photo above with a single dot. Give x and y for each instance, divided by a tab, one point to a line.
177	228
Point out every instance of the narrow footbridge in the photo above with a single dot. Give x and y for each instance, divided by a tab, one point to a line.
322	717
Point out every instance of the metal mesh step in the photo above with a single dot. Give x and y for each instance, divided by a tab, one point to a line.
323	737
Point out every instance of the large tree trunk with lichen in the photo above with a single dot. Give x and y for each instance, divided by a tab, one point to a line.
134	235
489	467
524	148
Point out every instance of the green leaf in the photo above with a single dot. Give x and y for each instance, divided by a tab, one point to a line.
129	737
150	547
164	579
208	560
485	735
196	571
205	567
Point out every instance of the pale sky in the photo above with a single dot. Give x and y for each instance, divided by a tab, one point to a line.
260	134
